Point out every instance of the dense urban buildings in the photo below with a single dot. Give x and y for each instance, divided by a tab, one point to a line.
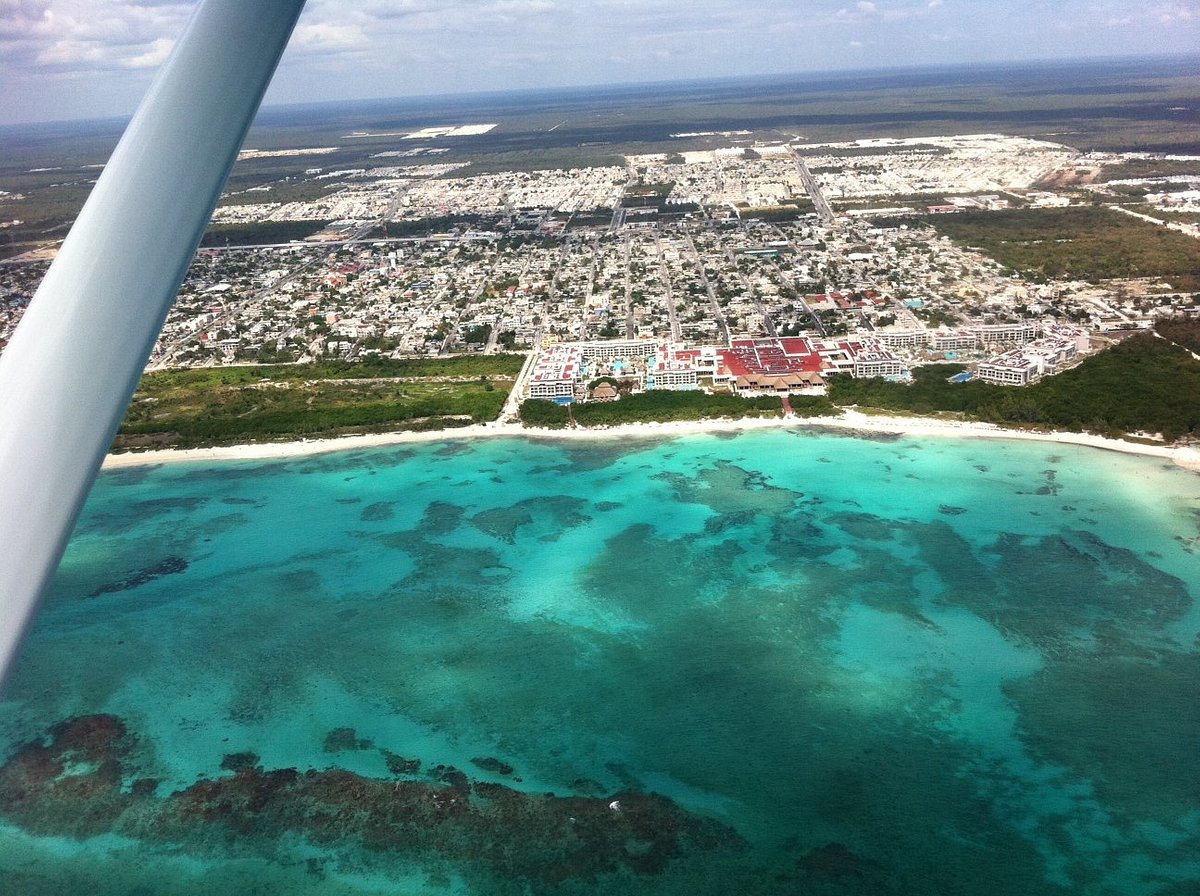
752	268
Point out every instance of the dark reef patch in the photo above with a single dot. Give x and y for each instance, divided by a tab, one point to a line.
551	515
1129	725
378	512
475	569
1076	581
441	518
718	525
866	526
598	455
341	740
728	488
167	567
71	784
398	765
503	522
493	765
130	475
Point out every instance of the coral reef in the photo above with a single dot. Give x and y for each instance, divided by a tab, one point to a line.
82	780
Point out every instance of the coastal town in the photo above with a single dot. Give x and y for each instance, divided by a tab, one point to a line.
748	268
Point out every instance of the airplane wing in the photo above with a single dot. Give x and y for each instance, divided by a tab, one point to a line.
68	373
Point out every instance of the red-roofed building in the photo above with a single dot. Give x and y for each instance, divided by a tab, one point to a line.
769	364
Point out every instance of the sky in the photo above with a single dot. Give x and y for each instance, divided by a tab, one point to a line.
70	59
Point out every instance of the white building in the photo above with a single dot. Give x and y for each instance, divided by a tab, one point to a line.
618	348
873	358
556	372
953	340
1012	368
902	338
1020	332
1042	357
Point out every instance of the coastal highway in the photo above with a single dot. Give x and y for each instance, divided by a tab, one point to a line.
814	190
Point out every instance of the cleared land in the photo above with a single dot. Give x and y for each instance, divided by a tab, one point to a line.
225	406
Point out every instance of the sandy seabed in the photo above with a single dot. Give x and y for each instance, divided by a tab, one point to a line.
851	421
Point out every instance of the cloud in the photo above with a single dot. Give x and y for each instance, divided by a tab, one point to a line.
95	35
328	37
155	56
63	51
1173	14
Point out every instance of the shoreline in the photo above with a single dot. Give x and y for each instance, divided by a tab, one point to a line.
850	421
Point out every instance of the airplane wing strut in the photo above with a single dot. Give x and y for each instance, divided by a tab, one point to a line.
67	376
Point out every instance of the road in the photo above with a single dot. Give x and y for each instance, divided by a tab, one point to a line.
512	404
665	275
591	289
824	212
797	298
630	329
1191	230
712	294
750	291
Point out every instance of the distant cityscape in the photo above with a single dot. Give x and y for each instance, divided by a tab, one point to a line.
755	269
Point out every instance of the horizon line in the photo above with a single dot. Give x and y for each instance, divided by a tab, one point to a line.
799	75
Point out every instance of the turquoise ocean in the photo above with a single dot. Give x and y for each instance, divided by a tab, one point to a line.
775	662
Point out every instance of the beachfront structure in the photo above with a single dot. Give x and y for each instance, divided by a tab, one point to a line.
673	367
1020	332
872	358
904	338
788	364
1013	368
757	366
953	340
672	375
1042	357
556	372
960	339
1068	333
612	349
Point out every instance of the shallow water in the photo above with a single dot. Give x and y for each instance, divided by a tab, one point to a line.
846	665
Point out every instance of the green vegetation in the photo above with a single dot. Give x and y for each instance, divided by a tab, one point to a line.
477	333
543	414
1133	169
540	158
664	406
292	187
1083	243
787	211
461	366
647	195
1144	384
223	406
1167	214
260	233
1183	331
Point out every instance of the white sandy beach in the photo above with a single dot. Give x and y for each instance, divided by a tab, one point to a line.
1188	457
